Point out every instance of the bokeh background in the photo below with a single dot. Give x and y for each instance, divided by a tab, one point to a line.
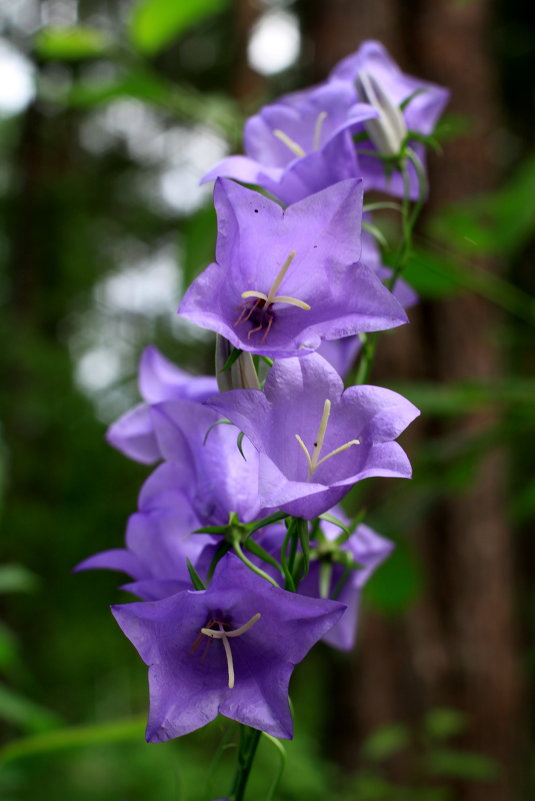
110	112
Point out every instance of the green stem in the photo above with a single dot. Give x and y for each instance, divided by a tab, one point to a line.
238	550
249	739
409	217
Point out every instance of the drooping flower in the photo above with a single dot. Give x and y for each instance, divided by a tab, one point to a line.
314	439
286	280
159	540
300	144
367	548
229	650
379	81
159	380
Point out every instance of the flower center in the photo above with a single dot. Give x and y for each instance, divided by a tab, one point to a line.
223	634
258	305
314	461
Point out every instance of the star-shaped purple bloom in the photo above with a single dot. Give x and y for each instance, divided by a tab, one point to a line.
300	144
286	280
314	439
229	650
159	380
381	82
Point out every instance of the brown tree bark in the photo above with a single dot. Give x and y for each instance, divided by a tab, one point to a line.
458	645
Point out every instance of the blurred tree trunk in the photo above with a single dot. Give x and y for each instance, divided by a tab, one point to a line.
458	645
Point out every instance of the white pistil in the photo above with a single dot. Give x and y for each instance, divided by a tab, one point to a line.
320	119
224	636
290	143
314	461
272	296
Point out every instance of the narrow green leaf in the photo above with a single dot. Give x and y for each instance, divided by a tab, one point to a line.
155	23
194	576
74	737
266	521
302	532
222	549
71	44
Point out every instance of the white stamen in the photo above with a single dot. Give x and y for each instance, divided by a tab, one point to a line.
286	140
314	461
272	297
318	128
224	636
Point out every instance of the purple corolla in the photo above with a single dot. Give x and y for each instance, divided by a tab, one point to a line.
159	540
229	650
159	380
286	280
379	81
367	548
314	439
300	144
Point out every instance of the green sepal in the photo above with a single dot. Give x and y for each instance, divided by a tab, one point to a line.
239	442
221	421
257	549
234	356
223	548
403	105
302	533
194	576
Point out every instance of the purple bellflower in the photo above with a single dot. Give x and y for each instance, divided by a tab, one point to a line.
159	380
367	548
380	82
316	440
206	462
286	280
300	144
159	539
229	650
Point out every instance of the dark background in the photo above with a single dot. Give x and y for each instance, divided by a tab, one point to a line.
102	225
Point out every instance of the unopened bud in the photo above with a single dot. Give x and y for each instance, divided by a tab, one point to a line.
387	131
240	375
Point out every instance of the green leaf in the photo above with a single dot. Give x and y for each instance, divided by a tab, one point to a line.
257	549
239	443
74	737
385	742
403	105
155	23
22	712
327	516
460	765
442	723
194	576
16	578
71	44
302	531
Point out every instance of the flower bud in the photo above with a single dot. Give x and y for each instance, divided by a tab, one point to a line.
388	130
241	375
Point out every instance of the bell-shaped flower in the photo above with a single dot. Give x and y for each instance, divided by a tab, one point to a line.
285	280
159	380
204	462
369	550
301	143
229	650
314	439
159	540
404	104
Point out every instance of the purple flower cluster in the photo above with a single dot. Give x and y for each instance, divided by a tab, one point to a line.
238	553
